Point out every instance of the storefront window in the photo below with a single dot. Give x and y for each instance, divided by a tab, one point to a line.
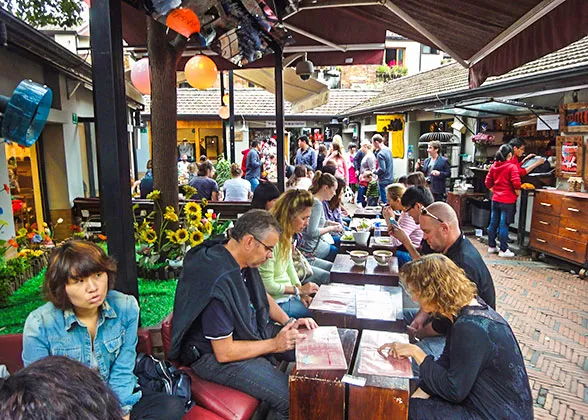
22	168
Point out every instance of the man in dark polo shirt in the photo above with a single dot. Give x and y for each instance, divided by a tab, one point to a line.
442	234
225	326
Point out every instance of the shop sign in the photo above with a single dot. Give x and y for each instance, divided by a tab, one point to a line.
289	124
573	118
548	122
74	118
386	123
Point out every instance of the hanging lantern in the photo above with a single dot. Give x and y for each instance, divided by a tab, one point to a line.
224	112
226	99
201	72
141	76
183	21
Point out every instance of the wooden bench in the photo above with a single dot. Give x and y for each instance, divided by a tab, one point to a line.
87	210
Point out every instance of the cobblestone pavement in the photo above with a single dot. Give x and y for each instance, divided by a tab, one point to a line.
548	311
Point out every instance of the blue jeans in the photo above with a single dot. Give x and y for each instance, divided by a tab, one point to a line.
430	345
254	183
403	258
382	189
332	253
502	215
321	271
361	195
295	309
256	377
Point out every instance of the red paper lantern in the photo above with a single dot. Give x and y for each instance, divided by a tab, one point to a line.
141	76
183	21
201	72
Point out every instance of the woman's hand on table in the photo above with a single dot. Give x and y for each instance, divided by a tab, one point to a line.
308	289
306	300
402	351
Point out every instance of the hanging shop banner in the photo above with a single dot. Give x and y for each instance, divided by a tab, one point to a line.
394	126
573	118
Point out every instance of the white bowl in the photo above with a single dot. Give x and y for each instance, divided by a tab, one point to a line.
361	238
383	257
359	257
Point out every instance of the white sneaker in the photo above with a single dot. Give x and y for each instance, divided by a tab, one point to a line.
506	254
492	250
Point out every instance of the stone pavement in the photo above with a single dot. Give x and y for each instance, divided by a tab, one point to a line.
548	312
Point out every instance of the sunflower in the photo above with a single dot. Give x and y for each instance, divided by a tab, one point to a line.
204	202
193	208
181	235
193	220
196	238
208	228
189	191
154	195
171	236
149	236
170	214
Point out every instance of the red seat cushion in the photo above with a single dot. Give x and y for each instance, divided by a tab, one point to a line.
144	344
199	413
11	352
228	403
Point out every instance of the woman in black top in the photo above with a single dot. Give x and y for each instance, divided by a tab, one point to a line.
481	373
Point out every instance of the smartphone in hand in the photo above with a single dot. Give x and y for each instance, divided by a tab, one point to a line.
393	222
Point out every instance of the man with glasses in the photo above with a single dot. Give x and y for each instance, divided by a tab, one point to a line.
442	234
225	326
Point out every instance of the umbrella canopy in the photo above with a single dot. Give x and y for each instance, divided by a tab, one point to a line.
438	136
490	39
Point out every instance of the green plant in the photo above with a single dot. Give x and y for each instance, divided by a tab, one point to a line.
223	171
398	71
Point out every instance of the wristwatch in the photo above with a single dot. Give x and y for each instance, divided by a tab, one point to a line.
296	291
290	320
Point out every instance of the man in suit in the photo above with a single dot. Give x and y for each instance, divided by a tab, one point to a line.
436	169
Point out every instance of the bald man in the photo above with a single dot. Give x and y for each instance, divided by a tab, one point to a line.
442	233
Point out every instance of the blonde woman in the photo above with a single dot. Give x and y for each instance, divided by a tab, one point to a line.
394	193
481	373
292	211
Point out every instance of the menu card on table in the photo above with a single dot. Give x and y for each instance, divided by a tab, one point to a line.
373	363
373	302
335	297
321	349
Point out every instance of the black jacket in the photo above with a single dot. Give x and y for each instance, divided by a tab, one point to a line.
210	271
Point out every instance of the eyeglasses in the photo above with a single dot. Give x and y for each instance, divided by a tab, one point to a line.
425	212
267	248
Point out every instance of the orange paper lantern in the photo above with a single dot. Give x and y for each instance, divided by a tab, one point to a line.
226	99
183	21
201	72
224	112
141	76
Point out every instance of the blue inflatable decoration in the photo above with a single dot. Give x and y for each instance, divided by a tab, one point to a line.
24	114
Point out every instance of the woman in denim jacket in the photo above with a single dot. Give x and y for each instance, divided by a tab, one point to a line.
87	321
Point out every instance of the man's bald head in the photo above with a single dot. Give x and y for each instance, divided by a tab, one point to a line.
444	212
440	231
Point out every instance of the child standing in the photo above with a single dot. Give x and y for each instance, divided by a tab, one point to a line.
372	194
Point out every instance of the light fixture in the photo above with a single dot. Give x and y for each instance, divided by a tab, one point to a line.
244	128
226	99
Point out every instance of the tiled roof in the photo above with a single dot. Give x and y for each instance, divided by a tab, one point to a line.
259	102
453	78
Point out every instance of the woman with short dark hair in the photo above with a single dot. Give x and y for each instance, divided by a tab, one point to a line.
481	373
206	187
85	320
265	196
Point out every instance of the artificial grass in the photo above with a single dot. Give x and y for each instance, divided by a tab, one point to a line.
156	299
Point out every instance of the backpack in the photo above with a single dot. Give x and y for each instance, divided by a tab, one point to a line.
162	376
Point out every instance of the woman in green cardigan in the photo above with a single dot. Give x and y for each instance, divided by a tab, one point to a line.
292	211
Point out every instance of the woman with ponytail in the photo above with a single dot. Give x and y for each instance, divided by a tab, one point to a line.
505	183
316	240
237	188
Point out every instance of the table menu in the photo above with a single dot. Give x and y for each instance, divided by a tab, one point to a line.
373	363
321	349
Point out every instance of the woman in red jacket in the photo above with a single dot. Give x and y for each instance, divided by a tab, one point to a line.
505	183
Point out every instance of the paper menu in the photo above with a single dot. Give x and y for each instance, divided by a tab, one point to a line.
379	304
321	349
335	298
373	363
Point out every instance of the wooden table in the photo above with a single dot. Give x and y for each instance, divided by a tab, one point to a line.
382	397
367	213
320	394
348	319
345	271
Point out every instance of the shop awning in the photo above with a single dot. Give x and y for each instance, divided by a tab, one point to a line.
493	107
489	38
302	94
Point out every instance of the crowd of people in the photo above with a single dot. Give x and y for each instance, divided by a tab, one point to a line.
235	319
